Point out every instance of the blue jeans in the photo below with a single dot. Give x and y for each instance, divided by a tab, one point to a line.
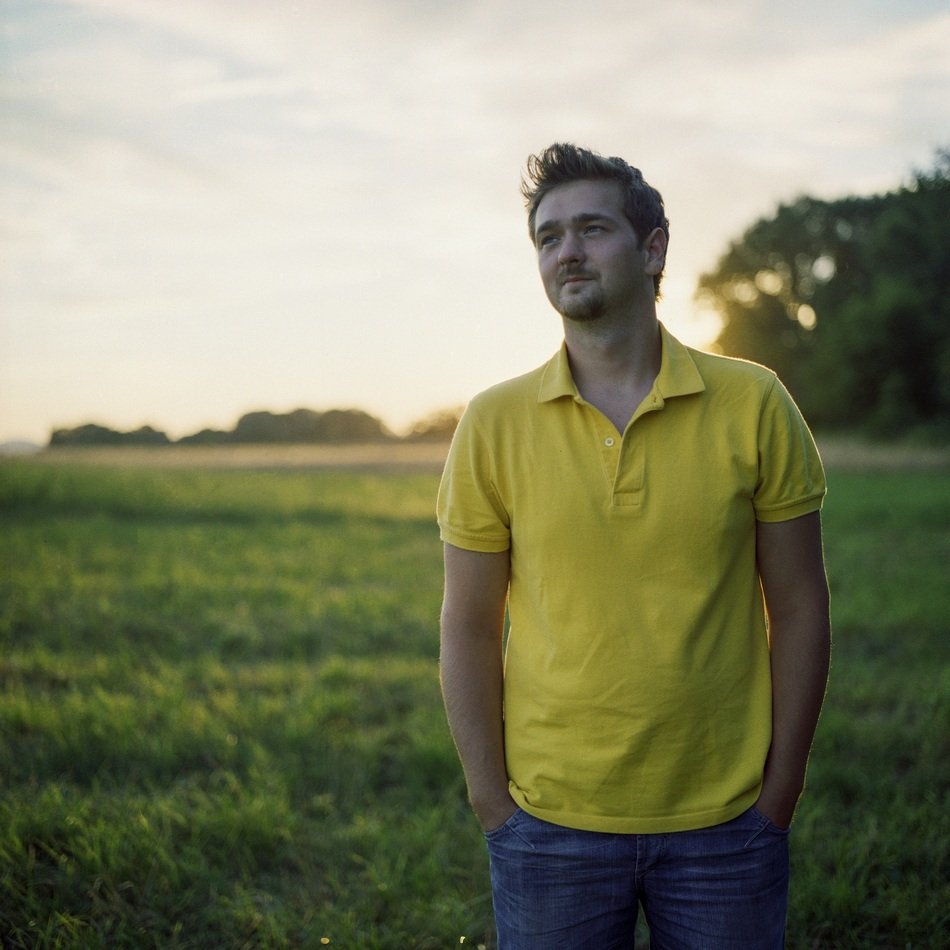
711	889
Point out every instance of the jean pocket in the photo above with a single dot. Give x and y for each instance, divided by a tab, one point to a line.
768	821
767	824
503	828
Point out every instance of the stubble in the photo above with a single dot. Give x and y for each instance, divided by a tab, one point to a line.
583	306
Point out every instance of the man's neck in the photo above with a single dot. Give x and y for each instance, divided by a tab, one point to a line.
614	364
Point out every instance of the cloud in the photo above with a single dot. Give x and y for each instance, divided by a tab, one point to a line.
291	182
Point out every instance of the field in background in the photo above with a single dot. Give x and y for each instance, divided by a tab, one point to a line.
220	723
837	451
373	456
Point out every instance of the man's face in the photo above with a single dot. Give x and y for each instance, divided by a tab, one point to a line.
588	256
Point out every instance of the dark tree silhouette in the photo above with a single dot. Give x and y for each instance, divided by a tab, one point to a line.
849	302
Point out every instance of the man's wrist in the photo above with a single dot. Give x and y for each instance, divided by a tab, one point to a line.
778	805
494	813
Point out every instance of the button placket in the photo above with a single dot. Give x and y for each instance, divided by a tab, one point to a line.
610	448
627	484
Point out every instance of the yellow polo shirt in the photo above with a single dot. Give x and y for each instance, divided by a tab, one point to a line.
637	686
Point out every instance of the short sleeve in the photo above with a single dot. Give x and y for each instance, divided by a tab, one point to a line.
791	479
470	512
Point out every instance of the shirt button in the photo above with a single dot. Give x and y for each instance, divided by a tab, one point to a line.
608	442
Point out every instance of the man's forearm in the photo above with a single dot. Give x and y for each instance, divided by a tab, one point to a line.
471	676
791	568
800	656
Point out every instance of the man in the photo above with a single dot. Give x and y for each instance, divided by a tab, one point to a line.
648	515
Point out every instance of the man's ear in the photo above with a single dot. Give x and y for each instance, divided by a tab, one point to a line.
654	250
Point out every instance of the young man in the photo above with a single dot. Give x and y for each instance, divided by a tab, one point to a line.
649	516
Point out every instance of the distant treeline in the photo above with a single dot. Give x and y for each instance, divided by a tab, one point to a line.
302	426
848	300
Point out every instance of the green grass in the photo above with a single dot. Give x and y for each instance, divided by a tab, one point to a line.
220	723
872	840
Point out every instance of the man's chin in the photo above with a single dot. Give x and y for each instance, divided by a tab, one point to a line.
578	314
578	307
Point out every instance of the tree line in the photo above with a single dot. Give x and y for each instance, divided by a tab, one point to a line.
849	302
302	426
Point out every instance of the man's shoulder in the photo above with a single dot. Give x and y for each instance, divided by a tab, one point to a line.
510	394
720	372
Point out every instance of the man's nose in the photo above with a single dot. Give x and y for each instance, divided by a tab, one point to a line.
571	249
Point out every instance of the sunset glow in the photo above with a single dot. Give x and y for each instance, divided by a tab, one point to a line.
215	207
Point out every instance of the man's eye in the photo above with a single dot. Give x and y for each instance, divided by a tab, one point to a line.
593	228
546	240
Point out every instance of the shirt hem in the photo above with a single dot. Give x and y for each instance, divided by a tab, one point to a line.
792	511
469	542
614	824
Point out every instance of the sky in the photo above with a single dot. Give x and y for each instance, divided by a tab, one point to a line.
221	206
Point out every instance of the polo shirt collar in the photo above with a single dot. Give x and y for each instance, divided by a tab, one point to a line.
678	374
556	378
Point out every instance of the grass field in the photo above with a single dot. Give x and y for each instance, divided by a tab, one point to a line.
220	723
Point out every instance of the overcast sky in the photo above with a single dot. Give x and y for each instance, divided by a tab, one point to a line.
224	205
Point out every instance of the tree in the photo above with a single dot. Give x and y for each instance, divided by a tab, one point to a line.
849	302
438	426
308	426
93	434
